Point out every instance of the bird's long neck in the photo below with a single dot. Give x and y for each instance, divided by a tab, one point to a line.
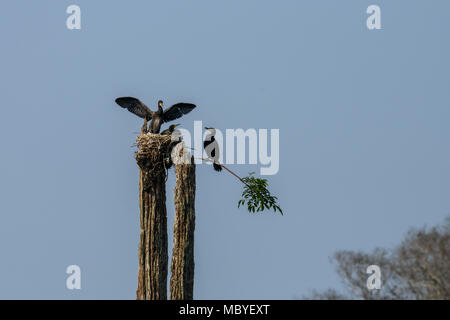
160	110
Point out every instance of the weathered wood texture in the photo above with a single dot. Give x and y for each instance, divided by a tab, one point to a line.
182	266
153	256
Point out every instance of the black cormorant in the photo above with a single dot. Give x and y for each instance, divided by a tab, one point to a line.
170	130
157	117
212	148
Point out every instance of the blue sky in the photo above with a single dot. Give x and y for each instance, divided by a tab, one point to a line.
364	136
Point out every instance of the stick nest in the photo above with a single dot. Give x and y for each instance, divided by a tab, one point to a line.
151	156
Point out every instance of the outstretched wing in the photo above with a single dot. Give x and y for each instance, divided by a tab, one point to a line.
177	110
135	106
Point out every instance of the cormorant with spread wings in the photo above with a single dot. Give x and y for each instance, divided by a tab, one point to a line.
157	117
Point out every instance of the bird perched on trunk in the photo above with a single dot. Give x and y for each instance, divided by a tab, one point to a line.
158	117
212	149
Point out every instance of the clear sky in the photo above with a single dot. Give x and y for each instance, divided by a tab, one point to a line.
364	136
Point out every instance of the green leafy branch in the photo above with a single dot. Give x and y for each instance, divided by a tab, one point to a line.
257	195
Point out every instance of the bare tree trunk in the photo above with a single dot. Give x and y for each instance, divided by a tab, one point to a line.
153	257
182	267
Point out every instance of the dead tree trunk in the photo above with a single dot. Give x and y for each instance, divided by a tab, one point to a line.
153	258
182	266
